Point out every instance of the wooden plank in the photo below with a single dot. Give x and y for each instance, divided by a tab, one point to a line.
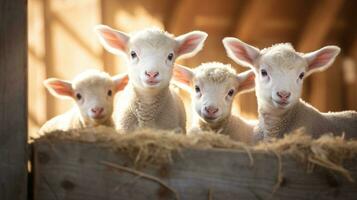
75	170
13	100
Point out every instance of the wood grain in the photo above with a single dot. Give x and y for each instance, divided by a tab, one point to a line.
13	98
74	170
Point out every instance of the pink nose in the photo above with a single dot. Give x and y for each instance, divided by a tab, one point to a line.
283	94
151	74
97	111
211	110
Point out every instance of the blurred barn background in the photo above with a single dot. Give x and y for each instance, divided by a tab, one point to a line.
61	41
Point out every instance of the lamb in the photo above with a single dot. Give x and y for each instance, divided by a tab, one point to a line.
93	92
213	87
150	55
280	72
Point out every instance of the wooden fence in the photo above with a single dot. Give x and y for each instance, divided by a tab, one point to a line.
79	170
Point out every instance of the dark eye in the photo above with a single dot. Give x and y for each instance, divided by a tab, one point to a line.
170	56
264	72
109	93
197	89
78	96
301	75
133	54
230	92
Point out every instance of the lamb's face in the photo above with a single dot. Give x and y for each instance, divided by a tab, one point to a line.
279	78
212	101
213	87
151	56
280	70
151	53
95	100
93	92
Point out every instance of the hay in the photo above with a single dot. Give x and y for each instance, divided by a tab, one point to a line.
148	146
157	146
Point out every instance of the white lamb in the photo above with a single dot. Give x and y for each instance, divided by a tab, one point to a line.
93	92
280	72
213	87
150	55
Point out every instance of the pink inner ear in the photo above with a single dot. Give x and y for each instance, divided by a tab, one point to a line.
189	44
240	52
181	77
321	59
246	84
113	40
61	89
122	84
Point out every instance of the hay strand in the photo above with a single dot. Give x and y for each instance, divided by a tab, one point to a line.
141	175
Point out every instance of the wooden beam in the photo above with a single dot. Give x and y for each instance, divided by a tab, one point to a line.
77	170
49	64
319	24
312	37
254	11
350	77
13	100
106	10
245	27
182	16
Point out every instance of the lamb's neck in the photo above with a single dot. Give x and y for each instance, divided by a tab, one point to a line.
274	122
147	105
218	127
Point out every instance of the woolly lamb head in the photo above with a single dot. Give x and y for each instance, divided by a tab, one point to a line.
150	53
93	92
213	87
280	70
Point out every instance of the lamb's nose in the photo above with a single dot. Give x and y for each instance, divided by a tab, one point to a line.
97	110
211	110
151	74
283	94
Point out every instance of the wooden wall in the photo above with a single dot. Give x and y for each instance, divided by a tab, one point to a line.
13	97
62	43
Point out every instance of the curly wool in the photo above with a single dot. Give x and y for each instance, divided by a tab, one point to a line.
90	78
215	72
283	55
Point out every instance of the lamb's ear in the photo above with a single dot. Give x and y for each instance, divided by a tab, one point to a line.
321	59
114	41
59	88
190	43
182	77
120	81
246	81
242	53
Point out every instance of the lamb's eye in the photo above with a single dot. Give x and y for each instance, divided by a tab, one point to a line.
301	76
133	54
170	56
230	92
264	73
197	89
78	96
110	93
